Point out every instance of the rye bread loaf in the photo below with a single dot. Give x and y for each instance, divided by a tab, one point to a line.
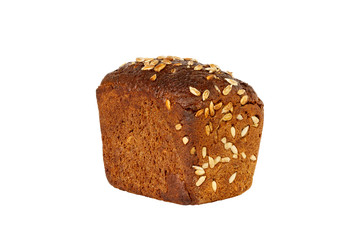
178	130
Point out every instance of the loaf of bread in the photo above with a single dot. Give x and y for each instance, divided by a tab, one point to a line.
178	130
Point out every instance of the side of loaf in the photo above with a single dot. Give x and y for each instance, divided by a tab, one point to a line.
178	130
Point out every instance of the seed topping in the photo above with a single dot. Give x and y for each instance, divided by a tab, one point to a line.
192	150
228	107
227	117
253	158
231	81
203	152
178	126
159	67
218	106
200	172
211	108
205	94
153	77
185	140
232	178
227	89
200	181
194	91
255	121
167	104
225	159
198	67
239	117
217	88
241	92
243	155
213	185
211	162
244	131
244	99
205	165
233	131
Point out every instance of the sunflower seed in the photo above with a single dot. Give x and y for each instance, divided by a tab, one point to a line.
205	165
192	150
197	168
211	127
154	62
235	156
213	185
198	67
230	73
241	92
227	108
185	140
211	108
243	155
253	158
140	59
228	145
211	162
217	160
217	88
147	67
232	178
159	67
203	152
206	112
198	113
153	77
233	131
218	106
207	130
227	90
200	181
244	99
255	121
178	126
200	172
234	149
177	64
227	117
205	94
231	81
244	131
209	77
223	140
225	159
239	117
173	70
194	91
167	103
166	61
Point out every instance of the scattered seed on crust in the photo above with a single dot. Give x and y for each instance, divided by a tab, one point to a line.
173	70
154	62
239	117
241	92
244	131
178	126
153	77
253	158
185	140
213	185
205	94
227	117
200	172
255	121
217	160
223	140
212	108
195	91
192	150
244	99
243	155
211	162
235	156
207	130
206	113
177	64
140	59
228	145
225	159
147	67
233	131
203	152
211	127
218	106
200	181
167	103
198	67
232	178
209	77
234	149
159	67
198	113
231	81
197	167
217	88
227	108
227	89
166	61
205	165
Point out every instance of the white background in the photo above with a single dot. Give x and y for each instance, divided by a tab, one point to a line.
302	58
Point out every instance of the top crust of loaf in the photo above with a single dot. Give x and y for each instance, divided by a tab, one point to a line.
184	81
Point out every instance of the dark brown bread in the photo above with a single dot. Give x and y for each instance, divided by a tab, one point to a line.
180	131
